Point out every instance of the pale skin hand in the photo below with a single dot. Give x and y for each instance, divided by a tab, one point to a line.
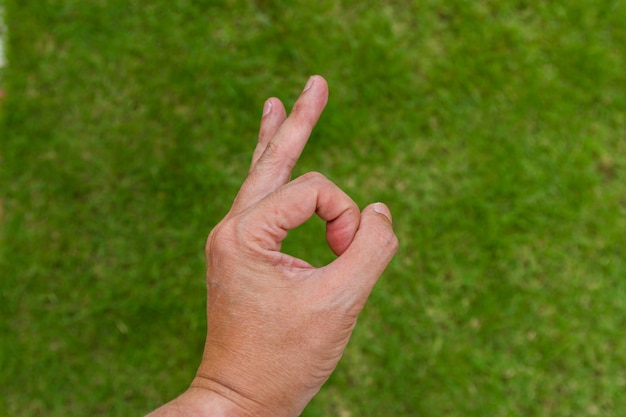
277	326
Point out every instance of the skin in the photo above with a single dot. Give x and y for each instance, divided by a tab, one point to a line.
277	326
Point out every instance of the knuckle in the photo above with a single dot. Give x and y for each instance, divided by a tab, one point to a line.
275	159
387	239
314	177
211	245
218	243
393	243
272	149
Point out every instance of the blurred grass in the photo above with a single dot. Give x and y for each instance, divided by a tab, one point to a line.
494	130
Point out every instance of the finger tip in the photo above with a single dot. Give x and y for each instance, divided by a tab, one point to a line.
323	83
267	107
317	83
341	231
320	79
381	208
274	107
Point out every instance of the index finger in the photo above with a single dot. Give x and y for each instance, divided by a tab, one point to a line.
278	157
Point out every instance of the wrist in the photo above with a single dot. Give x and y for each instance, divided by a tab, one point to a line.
252	395
200	402
229	401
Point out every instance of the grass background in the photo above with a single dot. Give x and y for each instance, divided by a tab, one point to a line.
495	130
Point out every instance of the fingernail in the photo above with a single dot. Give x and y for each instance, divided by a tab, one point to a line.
267	107
309	83
382	209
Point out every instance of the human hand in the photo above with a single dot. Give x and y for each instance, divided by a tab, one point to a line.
277	326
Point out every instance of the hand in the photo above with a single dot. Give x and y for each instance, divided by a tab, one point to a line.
277	326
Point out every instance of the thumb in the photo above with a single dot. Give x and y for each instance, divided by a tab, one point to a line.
357	270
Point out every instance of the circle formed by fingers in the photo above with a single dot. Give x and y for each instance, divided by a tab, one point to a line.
296	202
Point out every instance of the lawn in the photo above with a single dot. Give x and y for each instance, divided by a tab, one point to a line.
495	131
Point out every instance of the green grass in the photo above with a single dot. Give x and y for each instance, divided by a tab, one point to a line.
494	130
